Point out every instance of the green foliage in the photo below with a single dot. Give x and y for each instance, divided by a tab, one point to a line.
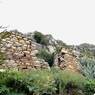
88	67
67	82
58	50
48	57
87	50
89	87
37	82
62	44
2	57
44	82
4	90
88	53
40	38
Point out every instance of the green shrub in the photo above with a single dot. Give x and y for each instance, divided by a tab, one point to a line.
67	81
4	90
37	82
88	67
48	57
90	87
40	38
45	82
58	50
41	81
14	93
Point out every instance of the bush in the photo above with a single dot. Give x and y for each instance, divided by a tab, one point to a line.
88	67
40	38
45	82
4	90
68	82
48	57
35	82
90	87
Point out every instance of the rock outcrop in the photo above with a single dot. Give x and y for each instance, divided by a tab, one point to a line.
52	43
20	52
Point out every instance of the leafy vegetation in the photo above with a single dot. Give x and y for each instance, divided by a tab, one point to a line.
48	57
40	38
88	67
62	44
89	88
45	82
87	50
49	82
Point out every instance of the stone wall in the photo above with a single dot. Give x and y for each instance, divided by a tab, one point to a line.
66	60
20	53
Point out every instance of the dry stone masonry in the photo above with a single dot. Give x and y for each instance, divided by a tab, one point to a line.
67	60
20	53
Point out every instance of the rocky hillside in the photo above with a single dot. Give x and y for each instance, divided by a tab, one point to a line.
26	61
19	51
46	41
85	49
67	61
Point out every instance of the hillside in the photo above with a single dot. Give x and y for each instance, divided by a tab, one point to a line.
85	49
24	52
36	50
38	64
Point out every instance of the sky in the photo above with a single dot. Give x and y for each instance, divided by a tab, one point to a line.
72	21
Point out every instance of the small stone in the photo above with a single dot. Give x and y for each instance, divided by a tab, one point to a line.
35	51
27	63
26	52
27	42
7	39
4	40
8	45
25	39
14	48
22	41
3	49
34	58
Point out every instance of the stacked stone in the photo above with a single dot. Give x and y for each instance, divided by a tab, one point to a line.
66	61
20	53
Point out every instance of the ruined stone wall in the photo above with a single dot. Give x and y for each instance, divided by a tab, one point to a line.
20	53
66	60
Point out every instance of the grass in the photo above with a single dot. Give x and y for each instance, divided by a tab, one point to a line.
40	82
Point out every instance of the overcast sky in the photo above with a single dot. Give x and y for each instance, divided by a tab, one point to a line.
72	21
